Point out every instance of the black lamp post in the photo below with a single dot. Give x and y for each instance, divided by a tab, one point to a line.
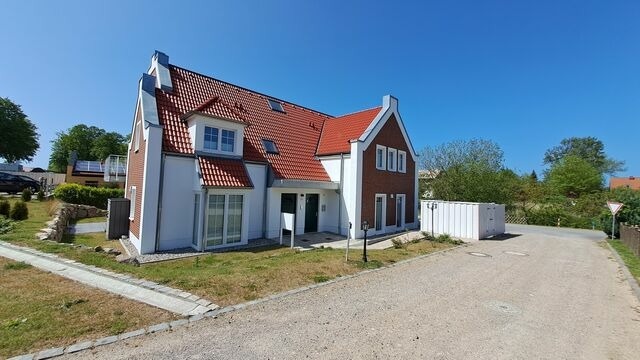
365	228
432	206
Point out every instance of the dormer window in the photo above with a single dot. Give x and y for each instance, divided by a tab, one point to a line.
270	146
214	136
210	138
275	105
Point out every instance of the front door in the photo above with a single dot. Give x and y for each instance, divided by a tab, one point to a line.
379	212
288	205
311	213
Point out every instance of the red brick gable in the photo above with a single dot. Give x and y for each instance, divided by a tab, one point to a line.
296	131
338	132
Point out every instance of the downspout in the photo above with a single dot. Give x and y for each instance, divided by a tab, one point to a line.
264	203
159	216
341	195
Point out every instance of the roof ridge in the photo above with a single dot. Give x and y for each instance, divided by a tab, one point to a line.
355	112
253	91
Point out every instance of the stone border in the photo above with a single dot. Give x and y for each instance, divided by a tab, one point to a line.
625	270
65	212
121	277
173	325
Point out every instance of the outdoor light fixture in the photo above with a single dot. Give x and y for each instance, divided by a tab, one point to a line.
365	228
432	206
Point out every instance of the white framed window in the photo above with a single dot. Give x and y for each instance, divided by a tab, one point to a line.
219	139
392	158
136	136
224	219
381	157
380	212
402	161
132	200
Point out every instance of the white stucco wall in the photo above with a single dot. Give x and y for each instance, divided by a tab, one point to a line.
346	207
256	198
176	223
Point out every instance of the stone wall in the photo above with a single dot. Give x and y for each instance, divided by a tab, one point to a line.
65	214
630	236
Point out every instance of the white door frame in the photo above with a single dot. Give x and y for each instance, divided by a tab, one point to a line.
384	214
402	210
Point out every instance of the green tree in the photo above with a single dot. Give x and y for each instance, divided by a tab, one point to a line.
470	170
90	142
18	135
589	149
573	176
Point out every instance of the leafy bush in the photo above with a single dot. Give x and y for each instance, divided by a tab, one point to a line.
19	211
5	208
630	212
40	195
6	225
398	244
86	195
26	195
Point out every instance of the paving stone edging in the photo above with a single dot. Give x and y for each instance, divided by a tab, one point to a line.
122	277
625	270
170	326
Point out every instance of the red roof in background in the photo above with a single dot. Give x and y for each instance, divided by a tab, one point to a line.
337	132
296	132
222	172
630	182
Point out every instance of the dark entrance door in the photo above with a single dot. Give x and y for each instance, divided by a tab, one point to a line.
311	213
288	205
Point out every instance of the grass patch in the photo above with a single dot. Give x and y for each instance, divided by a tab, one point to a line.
39	310
632	261
16	265
223	278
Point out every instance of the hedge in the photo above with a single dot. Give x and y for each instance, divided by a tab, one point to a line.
86	195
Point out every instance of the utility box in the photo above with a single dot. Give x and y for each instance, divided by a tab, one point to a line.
117	218
465	220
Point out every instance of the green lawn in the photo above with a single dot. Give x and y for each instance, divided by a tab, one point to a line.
632	261
223	278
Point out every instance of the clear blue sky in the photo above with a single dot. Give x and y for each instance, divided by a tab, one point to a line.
524	74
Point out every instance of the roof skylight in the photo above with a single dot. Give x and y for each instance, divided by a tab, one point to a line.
270	146
275	105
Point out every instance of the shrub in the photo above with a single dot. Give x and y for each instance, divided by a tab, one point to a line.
398	244
26	195
40	195
5	208
6	225
19	211
86	195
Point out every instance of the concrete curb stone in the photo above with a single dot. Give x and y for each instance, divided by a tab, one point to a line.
158	328
49	353
79	347
131	334
106	340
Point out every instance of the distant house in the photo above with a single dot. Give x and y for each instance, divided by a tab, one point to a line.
213	165
96	173
630	182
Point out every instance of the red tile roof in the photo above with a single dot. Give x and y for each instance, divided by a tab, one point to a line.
338	132
630	182
221	172
296	132
216	107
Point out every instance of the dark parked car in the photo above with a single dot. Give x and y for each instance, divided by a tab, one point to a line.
17	183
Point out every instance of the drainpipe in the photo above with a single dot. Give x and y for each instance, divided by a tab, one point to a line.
264	203
341	195
159	216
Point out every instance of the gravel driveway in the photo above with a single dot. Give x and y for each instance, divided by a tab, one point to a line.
549	293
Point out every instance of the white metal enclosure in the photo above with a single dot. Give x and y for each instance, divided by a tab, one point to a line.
464	220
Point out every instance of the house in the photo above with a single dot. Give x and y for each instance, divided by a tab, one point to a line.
96	173
630	182
213	165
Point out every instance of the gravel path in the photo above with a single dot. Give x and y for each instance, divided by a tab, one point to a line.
566	298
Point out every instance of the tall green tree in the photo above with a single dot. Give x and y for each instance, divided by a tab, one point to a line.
573	177
589	149
18	135
470	170
90	142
